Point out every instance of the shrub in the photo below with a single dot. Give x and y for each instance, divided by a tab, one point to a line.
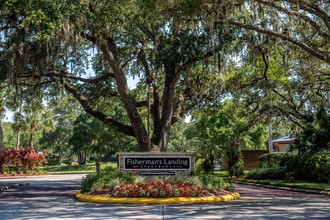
273	160
314	167
105	180
213	182
53	160
308	166
87	182
22	160
238	169
267	173
235	161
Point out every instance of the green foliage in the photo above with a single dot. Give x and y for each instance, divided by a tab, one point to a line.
314	167
204	165
224	125
106	179
214	182
313	146
9	136
272	173
237	170
316	132
180	141
273	160
184	40
93	138
234	159
53	160
88	181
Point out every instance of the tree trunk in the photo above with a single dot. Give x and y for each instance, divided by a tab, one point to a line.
18	138
163	134
1	131
81	157
31	140
33	131
1	139
97	165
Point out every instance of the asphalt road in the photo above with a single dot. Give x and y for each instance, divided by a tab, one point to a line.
51	197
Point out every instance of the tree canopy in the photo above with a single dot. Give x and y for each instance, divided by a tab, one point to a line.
181	51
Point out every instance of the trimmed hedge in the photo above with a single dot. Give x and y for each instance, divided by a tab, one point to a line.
308	166
313	167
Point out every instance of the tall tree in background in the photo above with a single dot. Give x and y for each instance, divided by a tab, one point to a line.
2	109
226	129
6	94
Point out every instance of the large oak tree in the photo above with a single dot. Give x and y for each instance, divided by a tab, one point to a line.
177	49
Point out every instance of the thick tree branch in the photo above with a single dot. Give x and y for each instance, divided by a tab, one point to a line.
322	55
97	114
290	103
150	35
143	60
178	109
288	115
142	104
65	75
111	55
191	62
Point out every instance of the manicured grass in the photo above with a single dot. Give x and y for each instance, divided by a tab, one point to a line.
221	173
296	184
88	168
225	173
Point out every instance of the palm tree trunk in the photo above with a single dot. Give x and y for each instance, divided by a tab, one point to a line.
97	165
31	139
18	135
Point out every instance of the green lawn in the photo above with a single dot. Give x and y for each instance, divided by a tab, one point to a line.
225	173
296	184
89	167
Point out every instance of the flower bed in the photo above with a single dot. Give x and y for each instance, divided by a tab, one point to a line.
156	189
111	183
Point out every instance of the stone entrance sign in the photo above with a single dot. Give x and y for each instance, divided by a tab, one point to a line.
156	163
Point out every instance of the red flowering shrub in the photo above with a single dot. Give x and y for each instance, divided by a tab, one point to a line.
155	189
22	160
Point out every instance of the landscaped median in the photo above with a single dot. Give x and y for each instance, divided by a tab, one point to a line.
173	200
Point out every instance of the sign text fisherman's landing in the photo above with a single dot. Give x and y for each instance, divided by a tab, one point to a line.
156	163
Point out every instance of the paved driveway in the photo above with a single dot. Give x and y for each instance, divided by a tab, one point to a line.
51	197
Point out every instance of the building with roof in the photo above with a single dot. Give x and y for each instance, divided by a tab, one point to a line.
282	144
